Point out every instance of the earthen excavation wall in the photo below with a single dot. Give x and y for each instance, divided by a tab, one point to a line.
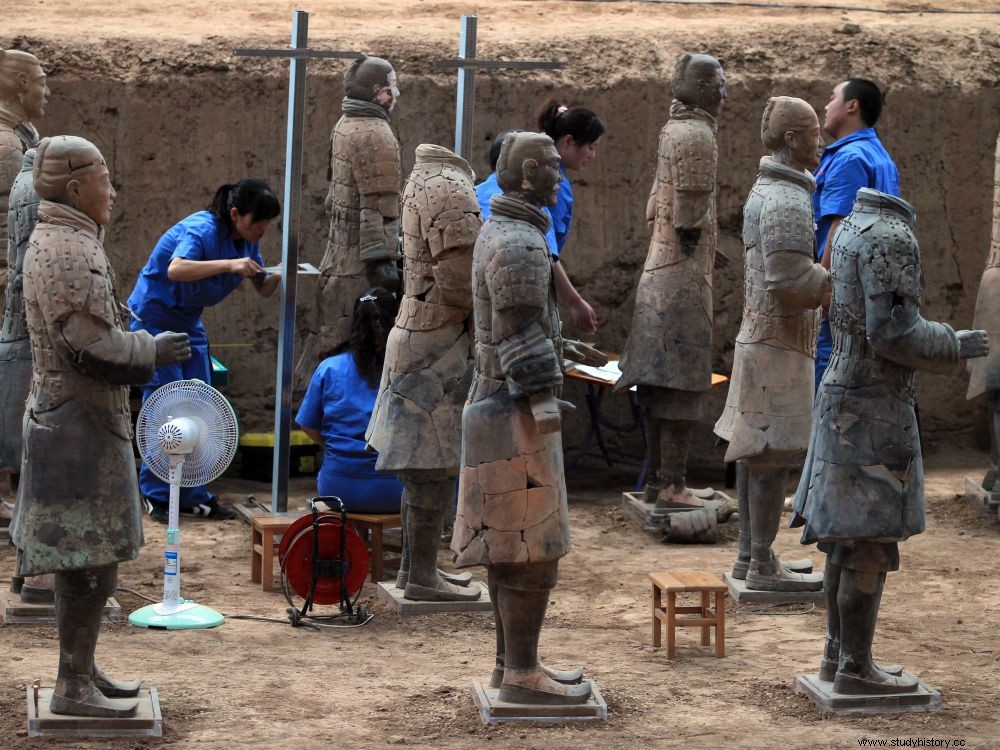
175	124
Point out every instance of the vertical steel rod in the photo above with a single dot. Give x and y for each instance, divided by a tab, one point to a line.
465	101
289	263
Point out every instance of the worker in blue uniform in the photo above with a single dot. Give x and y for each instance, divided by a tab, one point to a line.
196	264
856	159
338	406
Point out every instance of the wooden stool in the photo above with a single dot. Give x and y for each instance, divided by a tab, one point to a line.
373	525
266	528
672	582
263	530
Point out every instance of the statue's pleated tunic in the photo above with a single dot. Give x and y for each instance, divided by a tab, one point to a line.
512	492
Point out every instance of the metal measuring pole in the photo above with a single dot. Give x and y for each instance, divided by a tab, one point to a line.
299	54
467	63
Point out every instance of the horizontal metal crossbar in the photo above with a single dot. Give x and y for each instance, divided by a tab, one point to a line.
298	54
473	62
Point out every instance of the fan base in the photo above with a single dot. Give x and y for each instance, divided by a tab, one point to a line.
198	616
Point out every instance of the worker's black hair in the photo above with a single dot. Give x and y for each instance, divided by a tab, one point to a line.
374	315
250	195
555	119
868	96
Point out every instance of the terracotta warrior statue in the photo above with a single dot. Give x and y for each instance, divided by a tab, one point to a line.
768	413
363	206
78	512
669	349
15	357
985	373
862	487
512	514
23	96
417	423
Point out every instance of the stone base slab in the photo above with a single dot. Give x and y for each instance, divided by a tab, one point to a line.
643	513
388	592
492	710
821	693
147	722
987	502
742	595
16	612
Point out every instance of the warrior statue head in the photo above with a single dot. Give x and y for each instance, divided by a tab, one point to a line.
69	169
372	79
22	84
790	130
528	168
699	81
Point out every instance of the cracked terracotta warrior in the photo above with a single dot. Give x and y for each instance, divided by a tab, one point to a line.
78	512
362	205
512	515
985	373
23	96
669	350
768	412
862	487
416	426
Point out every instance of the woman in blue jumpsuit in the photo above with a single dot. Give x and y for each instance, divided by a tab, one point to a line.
576	132
197	263
338	406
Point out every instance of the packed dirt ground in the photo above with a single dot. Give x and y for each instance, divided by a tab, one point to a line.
253	684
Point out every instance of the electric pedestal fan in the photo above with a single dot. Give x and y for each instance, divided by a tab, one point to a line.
187	436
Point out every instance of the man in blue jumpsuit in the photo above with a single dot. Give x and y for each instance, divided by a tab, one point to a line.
196	264
856	159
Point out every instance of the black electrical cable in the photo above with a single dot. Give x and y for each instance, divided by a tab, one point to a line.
810	6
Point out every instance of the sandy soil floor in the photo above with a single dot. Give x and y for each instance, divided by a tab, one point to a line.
501	22
406	681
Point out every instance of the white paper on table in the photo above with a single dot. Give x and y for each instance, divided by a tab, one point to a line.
304	269
610	373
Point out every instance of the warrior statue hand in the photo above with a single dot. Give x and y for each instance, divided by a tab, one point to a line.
577	351
384	274
721	260
972	344
545	410
171	348
689	239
